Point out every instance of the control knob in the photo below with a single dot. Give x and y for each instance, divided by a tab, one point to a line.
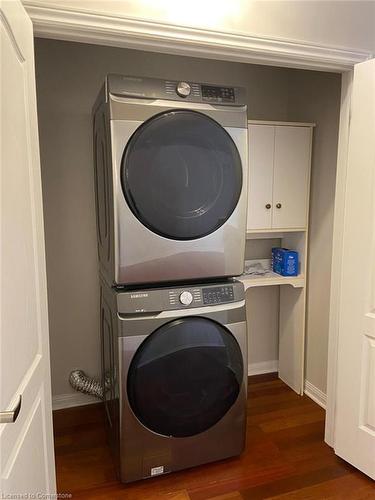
183	89
186	298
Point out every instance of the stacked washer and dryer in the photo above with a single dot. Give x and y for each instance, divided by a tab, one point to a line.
171	175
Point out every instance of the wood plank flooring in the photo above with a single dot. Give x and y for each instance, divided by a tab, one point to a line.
285	457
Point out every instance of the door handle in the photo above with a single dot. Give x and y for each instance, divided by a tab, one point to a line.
268	206
9	417
278	205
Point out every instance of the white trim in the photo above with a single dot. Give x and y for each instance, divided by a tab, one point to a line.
263	367
315	394
61	401
120	31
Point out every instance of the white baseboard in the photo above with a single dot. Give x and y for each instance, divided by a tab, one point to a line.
61	401
263	367
315	394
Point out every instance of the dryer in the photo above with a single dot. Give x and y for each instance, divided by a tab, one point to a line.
171	180
174	363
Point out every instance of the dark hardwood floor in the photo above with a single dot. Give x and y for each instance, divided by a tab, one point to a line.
285	457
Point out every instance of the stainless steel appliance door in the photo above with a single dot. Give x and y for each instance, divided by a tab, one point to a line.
181	174
185	377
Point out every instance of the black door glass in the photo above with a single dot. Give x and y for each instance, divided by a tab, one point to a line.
185	377
181	174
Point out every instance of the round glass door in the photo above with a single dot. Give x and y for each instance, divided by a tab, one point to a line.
181	175
185	377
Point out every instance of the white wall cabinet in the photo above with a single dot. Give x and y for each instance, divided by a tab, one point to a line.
278	207
279	176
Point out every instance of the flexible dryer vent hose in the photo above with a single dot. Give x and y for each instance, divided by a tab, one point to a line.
82	383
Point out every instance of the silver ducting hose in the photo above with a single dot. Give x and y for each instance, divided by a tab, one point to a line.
88	385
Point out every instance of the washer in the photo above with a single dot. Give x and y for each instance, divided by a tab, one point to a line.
174	361
171	180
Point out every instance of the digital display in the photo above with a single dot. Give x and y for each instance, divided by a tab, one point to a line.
218	294
219	94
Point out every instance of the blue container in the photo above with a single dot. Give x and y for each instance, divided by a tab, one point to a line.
285	262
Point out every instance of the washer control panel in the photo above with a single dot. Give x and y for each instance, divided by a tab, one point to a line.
184	297
218	294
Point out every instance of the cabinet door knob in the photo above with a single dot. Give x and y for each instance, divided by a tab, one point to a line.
268	206
278	205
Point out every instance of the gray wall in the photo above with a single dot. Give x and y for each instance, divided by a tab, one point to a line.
314	97
68	78
262	310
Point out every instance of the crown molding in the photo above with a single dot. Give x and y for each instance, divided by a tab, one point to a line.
120	31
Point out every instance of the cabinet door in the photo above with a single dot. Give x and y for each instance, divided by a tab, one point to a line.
261	154
291	177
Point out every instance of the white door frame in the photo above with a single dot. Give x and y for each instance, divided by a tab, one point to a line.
51	21
337	252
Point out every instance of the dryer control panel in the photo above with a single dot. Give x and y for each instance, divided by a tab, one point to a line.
175	90
184	297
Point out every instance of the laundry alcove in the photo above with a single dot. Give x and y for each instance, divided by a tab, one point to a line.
69	76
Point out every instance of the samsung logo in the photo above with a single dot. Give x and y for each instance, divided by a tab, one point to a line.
138	295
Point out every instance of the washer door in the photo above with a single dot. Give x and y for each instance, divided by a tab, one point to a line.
181	175
185	377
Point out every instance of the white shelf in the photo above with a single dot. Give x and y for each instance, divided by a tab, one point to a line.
269	278
286	124
259	234
275	279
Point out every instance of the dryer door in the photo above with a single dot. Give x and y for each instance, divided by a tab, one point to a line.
181	174
185	377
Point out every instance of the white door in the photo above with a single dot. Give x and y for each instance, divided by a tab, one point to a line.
354	434
261	150
291	177
27	458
